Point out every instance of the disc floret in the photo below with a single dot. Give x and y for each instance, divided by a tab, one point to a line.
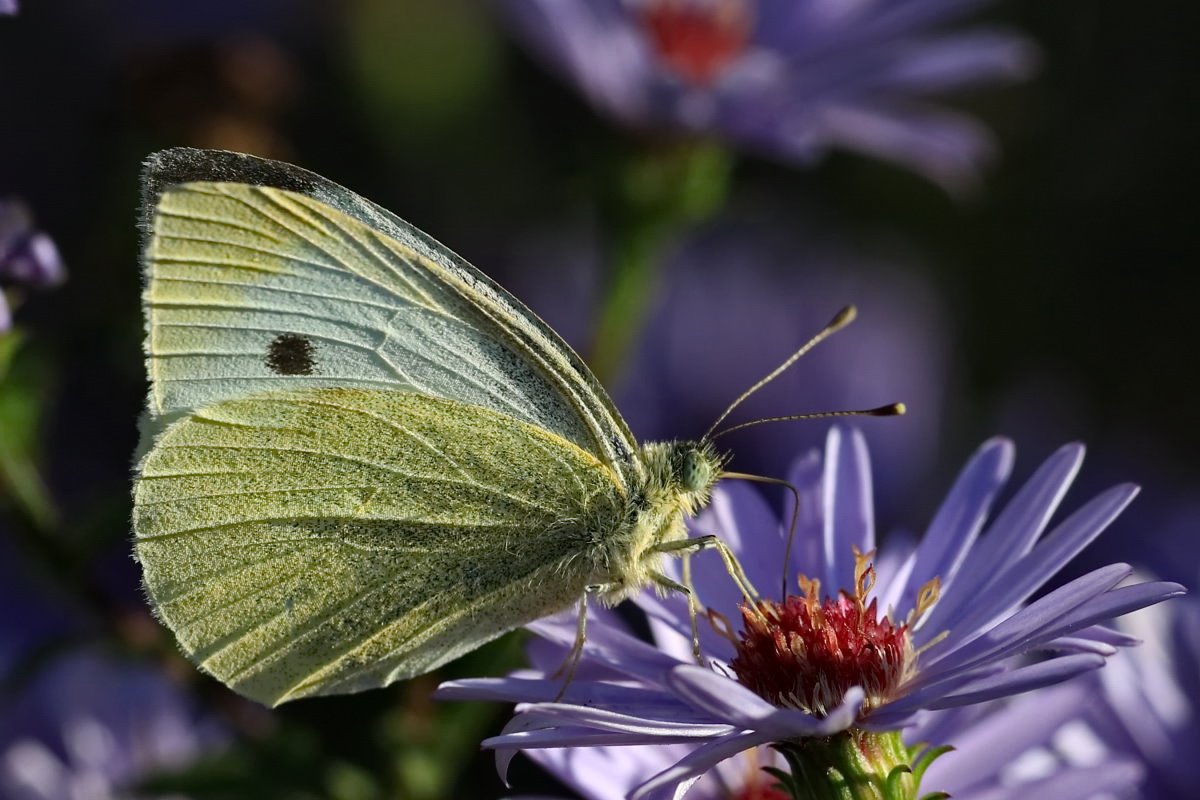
806	653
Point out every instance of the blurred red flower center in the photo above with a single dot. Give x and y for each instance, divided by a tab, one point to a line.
805	654
696	39
760	790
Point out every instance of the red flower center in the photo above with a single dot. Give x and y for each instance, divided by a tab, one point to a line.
697	39
806	654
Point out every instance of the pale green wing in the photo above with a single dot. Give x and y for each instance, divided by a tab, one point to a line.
320	541
262	276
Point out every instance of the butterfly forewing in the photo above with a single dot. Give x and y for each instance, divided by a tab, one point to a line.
255	288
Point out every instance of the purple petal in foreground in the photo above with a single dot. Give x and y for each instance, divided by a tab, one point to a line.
1022	679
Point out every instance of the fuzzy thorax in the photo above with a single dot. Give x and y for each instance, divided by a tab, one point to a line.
679	477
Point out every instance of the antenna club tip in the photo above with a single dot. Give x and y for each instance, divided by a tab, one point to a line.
843	317
893	410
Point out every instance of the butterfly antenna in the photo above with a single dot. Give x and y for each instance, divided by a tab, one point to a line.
890	410
841	320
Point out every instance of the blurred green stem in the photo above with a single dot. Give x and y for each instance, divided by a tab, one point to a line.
22	399
651	196
30	520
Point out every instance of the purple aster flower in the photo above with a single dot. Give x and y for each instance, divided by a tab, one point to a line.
959	626
92	728
28	257
1151	699
790	78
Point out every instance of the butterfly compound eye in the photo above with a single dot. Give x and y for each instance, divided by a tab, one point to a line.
697	470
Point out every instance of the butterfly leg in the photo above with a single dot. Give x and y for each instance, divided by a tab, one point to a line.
666	582
686	589
685	548
570	664
710	542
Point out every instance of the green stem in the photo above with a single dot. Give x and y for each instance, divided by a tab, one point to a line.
854	765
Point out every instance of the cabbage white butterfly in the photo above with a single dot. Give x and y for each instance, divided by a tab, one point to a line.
361	457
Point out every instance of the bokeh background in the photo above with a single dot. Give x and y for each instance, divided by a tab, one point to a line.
1051	298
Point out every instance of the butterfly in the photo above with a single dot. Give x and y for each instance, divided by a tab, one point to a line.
361	457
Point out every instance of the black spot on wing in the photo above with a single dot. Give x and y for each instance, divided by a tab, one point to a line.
291	354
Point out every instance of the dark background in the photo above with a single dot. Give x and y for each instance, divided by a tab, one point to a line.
1068	280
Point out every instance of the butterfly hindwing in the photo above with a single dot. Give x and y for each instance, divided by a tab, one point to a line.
328	540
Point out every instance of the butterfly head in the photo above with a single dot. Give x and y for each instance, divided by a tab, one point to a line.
695	467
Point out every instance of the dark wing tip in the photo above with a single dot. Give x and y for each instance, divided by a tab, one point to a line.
187	165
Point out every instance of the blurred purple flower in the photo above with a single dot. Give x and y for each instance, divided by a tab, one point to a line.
1034	747
8	6
791	78
735	300
77	724
28	257
1151	707
1159	533
91	728
957	630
